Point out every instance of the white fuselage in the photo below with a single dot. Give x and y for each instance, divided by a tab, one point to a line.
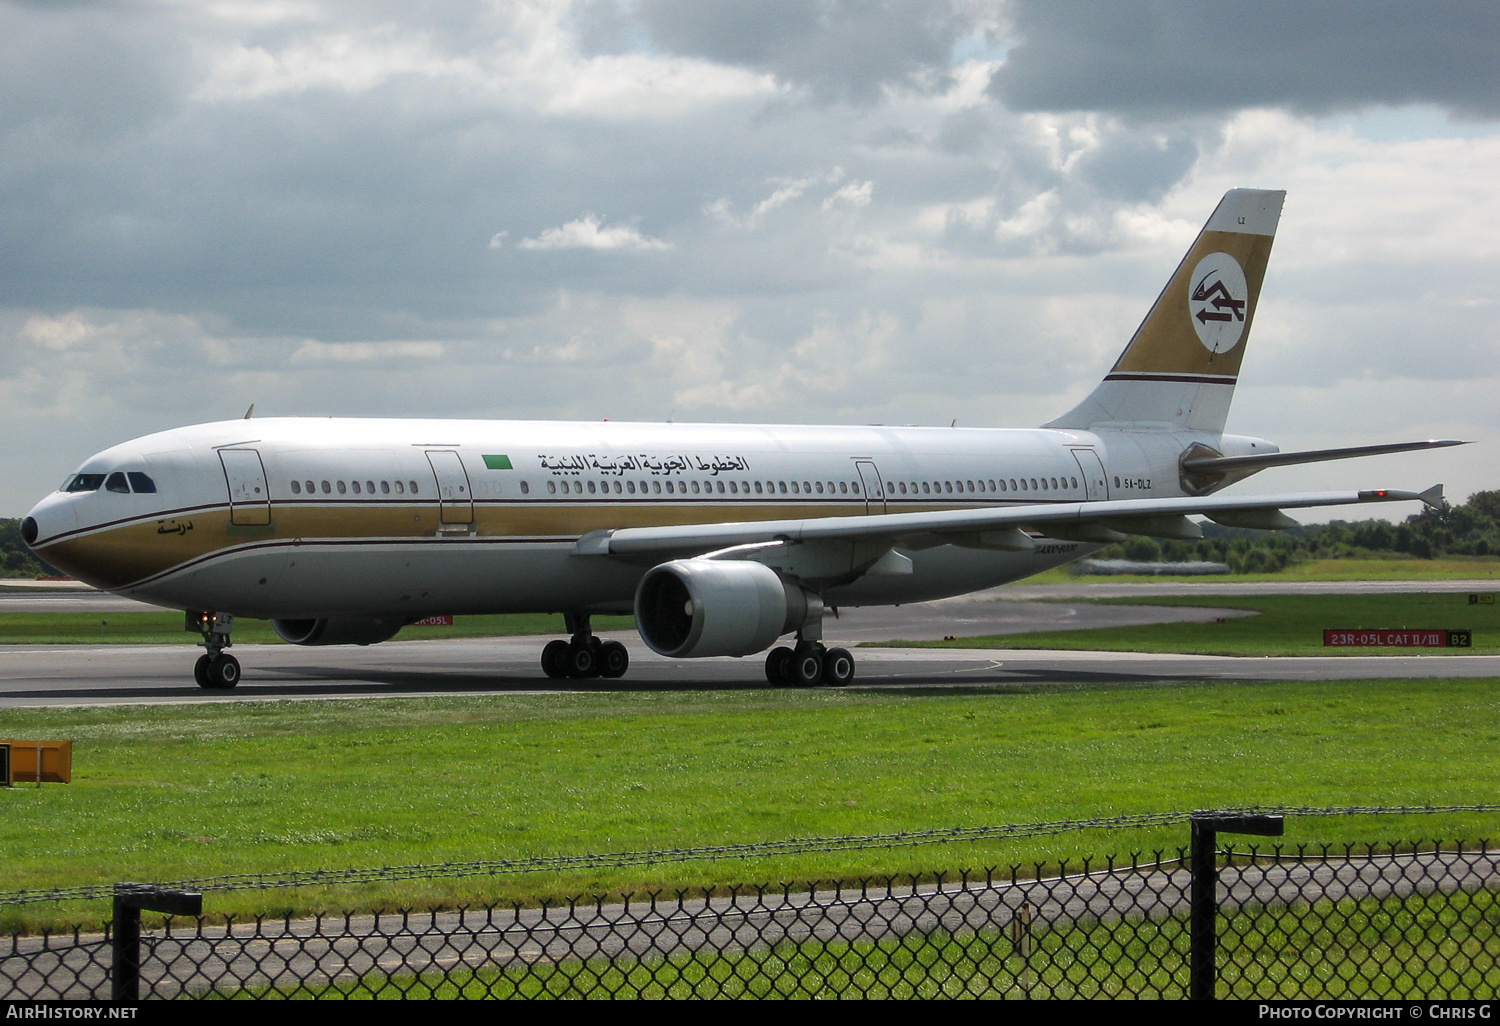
419	517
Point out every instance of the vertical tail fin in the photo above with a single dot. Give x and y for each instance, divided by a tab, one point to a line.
1181	365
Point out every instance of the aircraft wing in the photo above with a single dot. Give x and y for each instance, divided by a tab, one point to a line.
993	527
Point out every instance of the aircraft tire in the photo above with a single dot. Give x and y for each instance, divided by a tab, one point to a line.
581	660
224	672
807	665
554	658
614	660
200	672
838	668
779	666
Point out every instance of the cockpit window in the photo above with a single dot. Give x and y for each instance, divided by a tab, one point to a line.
140	483
84	483
116	483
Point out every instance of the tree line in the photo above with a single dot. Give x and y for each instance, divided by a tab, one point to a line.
1472	529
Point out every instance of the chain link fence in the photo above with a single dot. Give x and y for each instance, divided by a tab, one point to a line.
1283	922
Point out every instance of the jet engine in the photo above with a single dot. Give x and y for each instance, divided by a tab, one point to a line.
709	607
339	630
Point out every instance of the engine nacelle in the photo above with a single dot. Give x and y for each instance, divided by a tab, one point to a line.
710	607
339	630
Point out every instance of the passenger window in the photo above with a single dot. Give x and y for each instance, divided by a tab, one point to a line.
140	483
116	483
311	488
551	487
992	486
355	486
400	488
296	488
656	487
806	488
525	487
385	488
1023	484
844	487
413	487
370	487
619	488
327	488
758	490
1002	484
1013	485
342	489
855	487
592	489
795	490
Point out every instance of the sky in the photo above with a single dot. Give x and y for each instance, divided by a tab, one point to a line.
828	211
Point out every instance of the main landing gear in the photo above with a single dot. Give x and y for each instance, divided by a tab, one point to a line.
215	669
809	664
584	655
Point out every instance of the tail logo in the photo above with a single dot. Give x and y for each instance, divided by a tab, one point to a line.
1217	301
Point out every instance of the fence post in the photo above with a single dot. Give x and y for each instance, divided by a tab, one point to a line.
125	934
1203	892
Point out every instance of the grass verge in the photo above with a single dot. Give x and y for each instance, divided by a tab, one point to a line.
169	793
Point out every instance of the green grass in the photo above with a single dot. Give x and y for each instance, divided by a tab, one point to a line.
165	628
164	793
1388	948
1284	625
1394	567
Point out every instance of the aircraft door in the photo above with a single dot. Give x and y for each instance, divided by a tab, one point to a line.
869	475
249	497
1095	483
454	495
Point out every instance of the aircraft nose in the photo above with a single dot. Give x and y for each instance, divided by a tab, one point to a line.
48	519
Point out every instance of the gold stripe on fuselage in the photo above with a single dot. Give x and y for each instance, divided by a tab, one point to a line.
123	555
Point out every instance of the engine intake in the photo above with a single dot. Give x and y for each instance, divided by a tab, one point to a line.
707	607
339	630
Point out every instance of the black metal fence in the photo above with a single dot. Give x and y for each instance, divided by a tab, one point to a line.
1396	921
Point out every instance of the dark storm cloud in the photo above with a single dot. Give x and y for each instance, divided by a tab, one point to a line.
1183	57
836	48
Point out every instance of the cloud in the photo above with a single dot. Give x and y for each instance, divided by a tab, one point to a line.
587	233
835	49
1181	58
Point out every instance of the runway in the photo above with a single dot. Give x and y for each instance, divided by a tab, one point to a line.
71	675
139	674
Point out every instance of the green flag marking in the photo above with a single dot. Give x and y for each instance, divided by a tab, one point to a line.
498	463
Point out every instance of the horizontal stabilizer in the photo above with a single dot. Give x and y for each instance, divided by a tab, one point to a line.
1260	461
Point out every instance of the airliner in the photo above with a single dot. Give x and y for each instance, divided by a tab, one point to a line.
721	539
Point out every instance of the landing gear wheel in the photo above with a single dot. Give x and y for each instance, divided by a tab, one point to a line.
614	660
224	672
779	666
554	658
200	672
581	660
838	668
807	665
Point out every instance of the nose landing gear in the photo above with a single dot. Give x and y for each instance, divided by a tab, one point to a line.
215	669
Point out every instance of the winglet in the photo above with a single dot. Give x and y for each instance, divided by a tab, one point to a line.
1433	497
